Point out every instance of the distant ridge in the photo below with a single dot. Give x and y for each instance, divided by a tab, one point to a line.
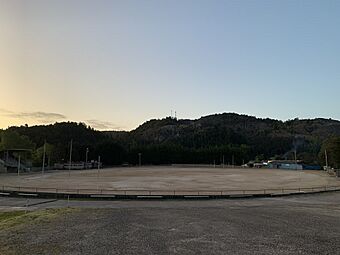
203	140
243	127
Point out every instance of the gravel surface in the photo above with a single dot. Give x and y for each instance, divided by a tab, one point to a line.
172	178
293	225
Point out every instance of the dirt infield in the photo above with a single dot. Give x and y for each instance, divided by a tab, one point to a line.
172	178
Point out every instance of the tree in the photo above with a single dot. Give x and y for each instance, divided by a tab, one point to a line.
110	152
332	146
11	140
49	154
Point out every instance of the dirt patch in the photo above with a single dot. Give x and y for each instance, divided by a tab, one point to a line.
174	178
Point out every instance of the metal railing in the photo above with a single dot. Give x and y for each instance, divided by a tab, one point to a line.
181	192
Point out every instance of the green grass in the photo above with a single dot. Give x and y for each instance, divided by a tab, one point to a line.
15	218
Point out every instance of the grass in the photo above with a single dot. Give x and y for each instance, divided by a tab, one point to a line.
15	218
10	222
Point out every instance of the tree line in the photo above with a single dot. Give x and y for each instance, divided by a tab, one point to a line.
165	142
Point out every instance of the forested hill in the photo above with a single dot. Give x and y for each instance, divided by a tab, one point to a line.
238	138
243	136
232	128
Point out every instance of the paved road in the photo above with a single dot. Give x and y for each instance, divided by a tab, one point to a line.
292	225
327	200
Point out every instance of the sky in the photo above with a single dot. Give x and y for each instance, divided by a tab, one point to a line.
116	64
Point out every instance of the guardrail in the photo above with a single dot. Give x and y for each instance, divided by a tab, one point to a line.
138	193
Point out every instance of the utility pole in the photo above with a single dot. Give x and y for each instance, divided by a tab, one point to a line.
19	165
70	162
296	167
98	166
326	157
98	172
87	152
43	165
140	159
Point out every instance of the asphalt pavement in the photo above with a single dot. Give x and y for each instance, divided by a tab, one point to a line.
307	224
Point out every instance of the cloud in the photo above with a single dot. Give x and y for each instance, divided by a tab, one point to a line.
4	111
43	117
102	125
50	117
39	116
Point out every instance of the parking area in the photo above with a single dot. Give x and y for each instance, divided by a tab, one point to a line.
307	224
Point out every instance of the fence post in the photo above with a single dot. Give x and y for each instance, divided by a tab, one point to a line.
264	191
26	206
174	192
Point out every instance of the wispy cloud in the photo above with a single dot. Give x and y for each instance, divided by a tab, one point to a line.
50	117
4	111
43	117
39	116
103	125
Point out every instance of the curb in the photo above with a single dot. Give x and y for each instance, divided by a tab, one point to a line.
152	197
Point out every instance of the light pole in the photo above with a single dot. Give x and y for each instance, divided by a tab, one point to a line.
326	157
98	165
43	165
98	173
296	166
140	159
19	165
87	152
69	166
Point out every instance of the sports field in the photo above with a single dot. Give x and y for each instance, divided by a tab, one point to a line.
172	178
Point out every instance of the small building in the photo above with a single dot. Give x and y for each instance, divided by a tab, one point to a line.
3	168
311	167
14	160
78	165
253	164
286	164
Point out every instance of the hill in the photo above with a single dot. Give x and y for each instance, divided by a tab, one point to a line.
230	134
236	138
